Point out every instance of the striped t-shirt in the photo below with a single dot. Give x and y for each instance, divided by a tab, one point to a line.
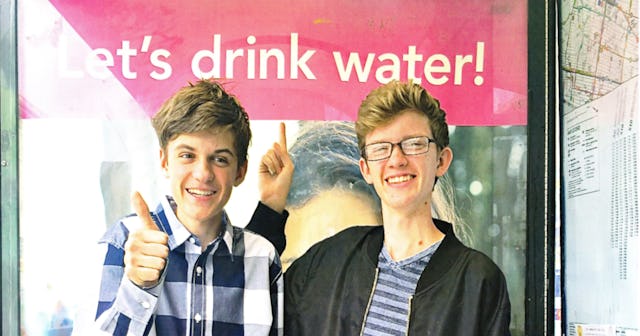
388	313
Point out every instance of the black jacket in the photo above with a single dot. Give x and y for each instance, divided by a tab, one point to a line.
327	290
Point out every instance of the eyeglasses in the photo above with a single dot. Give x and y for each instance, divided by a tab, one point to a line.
411	146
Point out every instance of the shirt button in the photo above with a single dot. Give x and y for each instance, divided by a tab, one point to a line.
192	240
198	270
198	318
145	304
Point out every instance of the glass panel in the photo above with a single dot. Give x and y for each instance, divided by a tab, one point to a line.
92	74
490	177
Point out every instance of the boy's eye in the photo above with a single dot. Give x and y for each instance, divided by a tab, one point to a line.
186	156
221	160
379	149
415	144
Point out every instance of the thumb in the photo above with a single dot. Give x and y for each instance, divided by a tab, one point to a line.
142	210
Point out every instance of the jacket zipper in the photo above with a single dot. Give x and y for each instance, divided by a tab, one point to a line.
409	314
366	312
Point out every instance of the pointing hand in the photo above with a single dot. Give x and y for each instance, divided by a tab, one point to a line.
275	174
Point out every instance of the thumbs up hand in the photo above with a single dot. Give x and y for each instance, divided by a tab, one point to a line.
146	249
275	174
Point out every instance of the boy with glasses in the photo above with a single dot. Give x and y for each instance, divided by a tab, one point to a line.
410	276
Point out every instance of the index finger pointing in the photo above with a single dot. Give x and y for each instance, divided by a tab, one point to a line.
283	136
142	210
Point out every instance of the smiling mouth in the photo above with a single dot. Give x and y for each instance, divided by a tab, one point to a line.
399	179
200	192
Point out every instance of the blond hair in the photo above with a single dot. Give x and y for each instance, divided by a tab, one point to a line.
388	101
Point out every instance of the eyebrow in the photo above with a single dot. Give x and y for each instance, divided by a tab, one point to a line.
217	151
403	139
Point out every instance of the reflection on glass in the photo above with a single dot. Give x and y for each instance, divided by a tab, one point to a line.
495	159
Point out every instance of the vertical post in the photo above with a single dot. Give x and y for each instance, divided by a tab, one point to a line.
9	267
541	125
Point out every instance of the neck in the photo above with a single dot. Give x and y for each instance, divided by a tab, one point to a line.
205	231
209	235
406	236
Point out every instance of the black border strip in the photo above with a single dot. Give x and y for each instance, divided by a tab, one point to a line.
541	161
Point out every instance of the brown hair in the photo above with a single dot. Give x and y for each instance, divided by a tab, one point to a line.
200	107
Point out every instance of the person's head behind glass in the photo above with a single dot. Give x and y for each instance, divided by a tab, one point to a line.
328	193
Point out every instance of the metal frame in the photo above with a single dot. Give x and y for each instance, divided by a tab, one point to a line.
541	201
9	269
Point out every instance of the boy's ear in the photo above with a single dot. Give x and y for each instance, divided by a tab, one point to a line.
164	163
242	172
444	160
365	171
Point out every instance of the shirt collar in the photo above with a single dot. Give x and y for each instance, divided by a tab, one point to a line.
178	234
227	235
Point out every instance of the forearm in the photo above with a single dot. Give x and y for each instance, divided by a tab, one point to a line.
123	307
130	313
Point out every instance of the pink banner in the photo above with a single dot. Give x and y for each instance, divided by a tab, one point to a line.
300	60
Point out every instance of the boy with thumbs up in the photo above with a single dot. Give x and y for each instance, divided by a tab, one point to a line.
183	269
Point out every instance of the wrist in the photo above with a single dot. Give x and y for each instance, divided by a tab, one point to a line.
277	206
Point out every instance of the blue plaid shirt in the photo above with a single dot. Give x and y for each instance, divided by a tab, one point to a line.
234	287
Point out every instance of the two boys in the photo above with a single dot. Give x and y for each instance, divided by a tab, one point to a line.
409	276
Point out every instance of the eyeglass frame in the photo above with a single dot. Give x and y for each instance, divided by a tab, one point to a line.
399	144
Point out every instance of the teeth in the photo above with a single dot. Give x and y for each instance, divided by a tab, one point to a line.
399	179
200	192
